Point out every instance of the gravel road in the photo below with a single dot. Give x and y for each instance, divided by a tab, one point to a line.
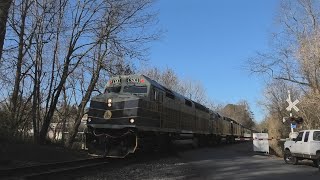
236	161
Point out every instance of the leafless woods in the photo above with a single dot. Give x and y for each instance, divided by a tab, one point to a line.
57	52
292	63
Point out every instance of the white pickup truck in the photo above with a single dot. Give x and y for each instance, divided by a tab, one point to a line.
305	146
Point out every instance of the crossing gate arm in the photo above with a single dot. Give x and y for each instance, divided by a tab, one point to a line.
259	139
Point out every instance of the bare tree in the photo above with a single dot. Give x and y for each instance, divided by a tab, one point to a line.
153	73
309	108
167	77
55	40
239	112
194	90
214	106
115	45
189	88
294	52
4	11
19	100
293	61
275	105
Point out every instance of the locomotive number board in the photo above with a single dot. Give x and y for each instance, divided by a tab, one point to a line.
115	81
135	80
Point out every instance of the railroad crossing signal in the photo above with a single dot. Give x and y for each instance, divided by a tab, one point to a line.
293	126
292	104
294	120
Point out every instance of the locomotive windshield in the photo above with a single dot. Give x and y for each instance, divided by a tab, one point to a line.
135	89
113	89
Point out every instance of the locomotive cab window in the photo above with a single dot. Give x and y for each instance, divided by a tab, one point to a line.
156	95
169	95
113	89
135	89
160	96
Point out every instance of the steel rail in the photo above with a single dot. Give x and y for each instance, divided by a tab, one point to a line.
51	167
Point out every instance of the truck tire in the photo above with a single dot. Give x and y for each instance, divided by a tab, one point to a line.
318	161
288	158
195	143
315	162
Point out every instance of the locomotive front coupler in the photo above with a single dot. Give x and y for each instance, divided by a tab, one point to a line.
118	145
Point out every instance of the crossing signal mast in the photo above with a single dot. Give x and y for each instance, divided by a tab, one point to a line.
294	120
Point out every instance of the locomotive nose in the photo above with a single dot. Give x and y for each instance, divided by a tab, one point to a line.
113	109
112	98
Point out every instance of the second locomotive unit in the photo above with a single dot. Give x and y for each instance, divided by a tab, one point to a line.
137	112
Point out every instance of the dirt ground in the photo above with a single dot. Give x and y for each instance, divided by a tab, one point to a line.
23	154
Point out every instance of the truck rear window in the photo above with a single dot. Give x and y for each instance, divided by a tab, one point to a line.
316	136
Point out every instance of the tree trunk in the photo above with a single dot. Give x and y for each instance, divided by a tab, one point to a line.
48	117
16	88
4	10
65	114
35	104
80	113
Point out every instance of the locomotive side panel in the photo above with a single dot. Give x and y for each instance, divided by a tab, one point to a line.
237	129
187	120
202	122
247	133
226	126
171	114
148	114
215	125
202	119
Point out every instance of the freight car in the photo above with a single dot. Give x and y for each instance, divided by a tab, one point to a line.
227	129
137	112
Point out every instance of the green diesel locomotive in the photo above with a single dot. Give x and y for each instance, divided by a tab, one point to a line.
137	112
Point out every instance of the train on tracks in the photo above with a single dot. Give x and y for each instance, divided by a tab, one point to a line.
137	112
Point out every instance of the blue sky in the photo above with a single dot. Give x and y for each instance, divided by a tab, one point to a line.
210	40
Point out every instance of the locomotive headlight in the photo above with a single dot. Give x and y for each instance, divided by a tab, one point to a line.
109	101
131	121
109	104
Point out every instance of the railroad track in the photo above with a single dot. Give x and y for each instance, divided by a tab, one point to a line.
72	169
77	168
45	171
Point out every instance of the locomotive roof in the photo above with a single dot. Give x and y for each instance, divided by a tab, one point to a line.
154	83
158	85
179	96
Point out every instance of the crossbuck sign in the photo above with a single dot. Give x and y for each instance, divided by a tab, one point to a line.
292	104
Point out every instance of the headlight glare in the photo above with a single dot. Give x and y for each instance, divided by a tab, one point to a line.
131	121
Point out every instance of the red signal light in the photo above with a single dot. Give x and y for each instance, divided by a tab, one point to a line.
142	80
